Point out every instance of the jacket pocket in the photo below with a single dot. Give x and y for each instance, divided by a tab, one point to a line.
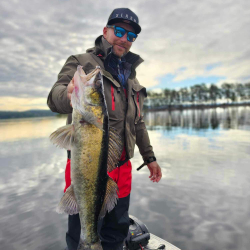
114	86
138	95
112	94
115	123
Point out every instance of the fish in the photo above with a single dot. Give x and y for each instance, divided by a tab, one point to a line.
95	149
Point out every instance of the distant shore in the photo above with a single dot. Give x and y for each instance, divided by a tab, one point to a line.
26	114
47	113
194	106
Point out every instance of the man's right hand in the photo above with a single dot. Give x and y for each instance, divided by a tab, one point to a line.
70	89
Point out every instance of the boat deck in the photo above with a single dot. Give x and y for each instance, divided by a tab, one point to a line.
155	242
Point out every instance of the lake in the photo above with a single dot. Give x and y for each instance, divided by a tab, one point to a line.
201	203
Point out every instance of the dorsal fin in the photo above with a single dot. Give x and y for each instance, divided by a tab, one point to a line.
110	198
115	149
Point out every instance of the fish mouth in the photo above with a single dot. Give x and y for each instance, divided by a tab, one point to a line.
98	80
94	73
94	79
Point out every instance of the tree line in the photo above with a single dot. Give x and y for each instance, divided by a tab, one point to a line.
25	114
200	94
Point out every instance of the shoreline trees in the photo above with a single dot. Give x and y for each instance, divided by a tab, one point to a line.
200	95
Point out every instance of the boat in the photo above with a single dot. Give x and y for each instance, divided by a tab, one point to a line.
140	238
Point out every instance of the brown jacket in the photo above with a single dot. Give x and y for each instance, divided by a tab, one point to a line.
124	115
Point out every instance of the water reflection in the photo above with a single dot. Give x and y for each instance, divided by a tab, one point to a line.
29	128
202	202
226	118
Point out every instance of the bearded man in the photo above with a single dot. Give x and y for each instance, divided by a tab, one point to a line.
124	96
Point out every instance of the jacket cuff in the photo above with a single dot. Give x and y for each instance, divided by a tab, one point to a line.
150	159
147	158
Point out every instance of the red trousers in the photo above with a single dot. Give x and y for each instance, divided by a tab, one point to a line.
121	175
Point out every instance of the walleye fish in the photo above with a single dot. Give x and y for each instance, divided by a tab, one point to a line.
95	148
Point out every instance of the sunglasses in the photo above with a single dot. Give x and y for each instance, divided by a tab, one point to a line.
120	32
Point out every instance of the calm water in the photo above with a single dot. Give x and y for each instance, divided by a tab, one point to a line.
202	202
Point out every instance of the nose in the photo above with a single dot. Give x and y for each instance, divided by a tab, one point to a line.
124	38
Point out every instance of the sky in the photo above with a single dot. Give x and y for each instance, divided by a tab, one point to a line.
182	43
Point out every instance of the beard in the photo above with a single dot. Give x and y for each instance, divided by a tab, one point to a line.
118	53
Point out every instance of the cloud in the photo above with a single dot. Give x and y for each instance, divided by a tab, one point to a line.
22	103
37	37
198	34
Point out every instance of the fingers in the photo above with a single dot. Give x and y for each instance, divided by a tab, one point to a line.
155	172
159	175
70	89
156	178
69	96
151	173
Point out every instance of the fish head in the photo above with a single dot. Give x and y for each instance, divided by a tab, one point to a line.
94	88
88	89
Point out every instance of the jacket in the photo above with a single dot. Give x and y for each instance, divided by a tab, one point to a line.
124	113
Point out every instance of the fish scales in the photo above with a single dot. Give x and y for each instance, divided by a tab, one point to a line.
92	192
85	166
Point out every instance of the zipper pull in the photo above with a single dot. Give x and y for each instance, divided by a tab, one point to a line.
118	67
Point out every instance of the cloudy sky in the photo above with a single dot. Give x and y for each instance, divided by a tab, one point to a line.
182	42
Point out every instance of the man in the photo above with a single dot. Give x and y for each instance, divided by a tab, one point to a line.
124	96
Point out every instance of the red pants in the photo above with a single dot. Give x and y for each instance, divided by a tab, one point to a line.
121	175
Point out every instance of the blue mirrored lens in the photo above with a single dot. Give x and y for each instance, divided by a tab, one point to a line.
120	32
131	36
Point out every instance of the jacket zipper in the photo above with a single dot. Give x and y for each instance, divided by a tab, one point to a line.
138	104
112	97
118	67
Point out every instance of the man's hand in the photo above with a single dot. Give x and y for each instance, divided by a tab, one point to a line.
70	89
155	171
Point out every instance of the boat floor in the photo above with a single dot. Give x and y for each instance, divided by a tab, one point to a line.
155	241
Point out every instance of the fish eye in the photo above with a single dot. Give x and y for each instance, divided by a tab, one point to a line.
98	83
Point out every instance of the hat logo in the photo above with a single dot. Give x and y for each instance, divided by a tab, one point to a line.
121	16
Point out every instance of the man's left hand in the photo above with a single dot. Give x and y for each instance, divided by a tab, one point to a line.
155	171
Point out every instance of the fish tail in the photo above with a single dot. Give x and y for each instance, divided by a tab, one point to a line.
84	245
96	246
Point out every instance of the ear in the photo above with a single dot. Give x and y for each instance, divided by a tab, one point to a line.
105	30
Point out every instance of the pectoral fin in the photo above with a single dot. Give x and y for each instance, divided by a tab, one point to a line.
68	203
92	119
63	137
110	199
115	149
